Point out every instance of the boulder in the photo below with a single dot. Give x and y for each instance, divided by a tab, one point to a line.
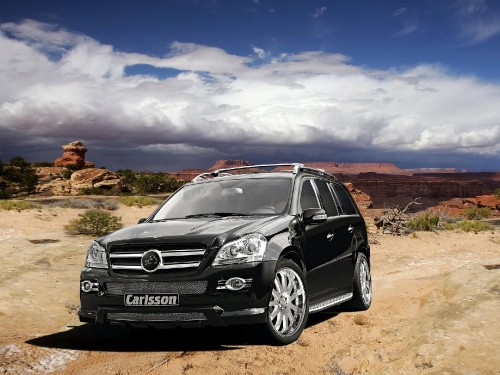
94	178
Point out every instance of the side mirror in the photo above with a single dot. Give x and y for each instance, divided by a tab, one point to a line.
142	220
314	216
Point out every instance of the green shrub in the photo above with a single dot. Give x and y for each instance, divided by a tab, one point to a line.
476	213
139	201
154	183
497	193
17	205
94	222
428	221
127	178
474	226
17	177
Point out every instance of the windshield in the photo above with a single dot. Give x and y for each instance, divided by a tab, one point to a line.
252	196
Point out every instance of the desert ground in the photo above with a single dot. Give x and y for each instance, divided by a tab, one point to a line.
435	311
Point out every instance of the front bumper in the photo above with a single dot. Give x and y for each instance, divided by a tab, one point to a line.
208	305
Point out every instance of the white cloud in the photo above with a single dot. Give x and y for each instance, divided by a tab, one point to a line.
261	54
476	21
319	12
399	12
221	101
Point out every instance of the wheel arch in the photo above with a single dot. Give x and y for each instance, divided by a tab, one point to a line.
293	254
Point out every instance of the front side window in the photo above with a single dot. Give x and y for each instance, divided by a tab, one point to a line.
308	197
252	196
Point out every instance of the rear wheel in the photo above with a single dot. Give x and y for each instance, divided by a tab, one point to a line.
288	307
362	286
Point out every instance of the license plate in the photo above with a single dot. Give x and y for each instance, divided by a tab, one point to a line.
151	299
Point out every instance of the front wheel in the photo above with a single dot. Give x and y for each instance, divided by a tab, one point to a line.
288	307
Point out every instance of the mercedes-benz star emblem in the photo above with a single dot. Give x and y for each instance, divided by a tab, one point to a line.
151	260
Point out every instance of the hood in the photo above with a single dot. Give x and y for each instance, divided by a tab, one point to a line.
206	230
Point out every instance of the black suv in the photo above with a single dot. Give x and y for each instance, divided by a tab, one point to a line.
234	246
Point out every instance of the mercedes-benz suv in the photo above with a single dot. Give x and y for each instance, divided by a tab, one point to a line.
263	244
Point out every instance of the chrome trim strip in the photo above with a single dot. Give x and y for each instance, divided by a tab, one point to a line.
330	302
183	253
255	311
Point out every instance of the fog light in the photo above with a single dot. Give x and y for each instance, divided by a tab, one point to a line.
88	286
235	283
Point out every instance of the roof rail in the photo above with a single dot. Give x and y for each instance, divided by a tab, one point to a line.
296	168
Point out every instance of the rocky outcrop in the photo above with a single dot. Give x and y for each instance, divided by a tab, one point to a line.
85	180
392	191
457	206
74	155
51	181
362	199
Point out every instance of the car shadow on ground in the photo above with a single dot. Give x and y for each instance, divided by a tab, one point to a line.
84	337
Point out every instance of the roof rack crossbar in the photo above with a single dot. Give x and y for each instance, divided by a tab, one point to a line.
223	171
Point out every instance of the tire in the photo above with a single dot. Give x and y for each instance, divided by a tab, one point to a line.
288	306
362	286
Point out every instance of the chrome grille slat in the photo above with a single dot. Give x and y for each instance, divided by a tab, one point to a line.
126	259
181	287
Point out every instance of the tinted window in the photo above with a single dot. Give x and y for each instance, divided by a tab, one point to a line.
308	196
345	200
326	198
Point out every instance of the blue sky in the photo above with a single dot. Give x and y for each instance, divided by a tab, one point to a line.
165	85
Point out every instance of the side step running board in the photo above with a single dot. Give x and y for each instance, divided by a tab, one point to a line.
330	302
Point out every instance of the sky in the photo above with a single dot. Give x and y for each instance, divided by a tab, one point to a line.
166	85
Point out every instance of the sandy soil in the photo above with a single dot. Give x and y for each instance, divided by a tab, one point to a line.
435	311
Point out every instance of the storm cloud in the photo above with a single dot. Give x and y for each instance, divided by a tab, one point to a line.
198	103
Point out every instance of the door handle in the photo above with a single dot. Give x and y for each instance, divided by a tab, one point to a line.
350	229
330	236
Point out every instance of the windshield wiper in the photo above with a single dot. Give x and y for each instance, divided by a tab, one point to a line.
222	214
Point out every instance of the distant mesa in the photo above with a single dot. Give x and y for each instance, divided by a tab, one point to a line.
221	164
74	155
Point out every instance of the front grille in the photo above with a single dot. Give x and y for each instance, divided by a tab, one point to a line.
156	317
180	287
126	259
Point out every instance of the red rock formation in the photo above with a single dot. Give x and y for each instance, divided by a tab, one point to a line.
391	190
355	168
220	164
74	155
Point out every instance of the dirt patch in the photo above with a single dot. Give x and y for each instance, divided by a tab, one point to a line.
435	311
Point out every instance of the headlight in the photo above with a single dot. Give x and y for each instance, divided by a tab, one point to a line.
249	248
96	256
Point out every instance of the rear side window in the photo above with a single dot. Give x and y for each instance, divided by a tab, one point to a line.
308	196
326	197
344	200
